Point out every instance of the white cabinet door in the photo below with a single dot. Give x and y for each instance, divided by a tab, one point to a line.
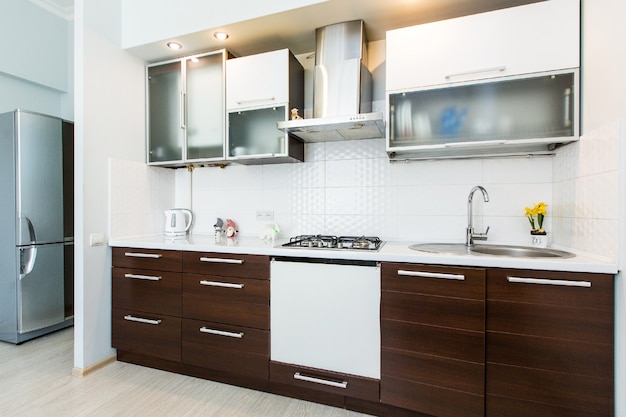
257	80
532	38
326	316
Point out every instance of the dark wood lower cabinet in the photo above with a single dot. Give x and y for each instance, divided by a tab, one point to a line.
455	342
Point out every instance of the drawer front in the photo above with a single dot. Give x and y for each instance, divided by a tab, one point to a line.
453	374
560	322
581	358
512	407
237	301
434	280
230	265
154	259
153	335
326	381
430	340
430	399
554	388
451	312
232	349
553	288
146	290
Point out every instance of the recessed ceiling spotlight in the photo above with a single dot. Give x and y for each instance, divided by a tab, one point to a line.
221	36
174	45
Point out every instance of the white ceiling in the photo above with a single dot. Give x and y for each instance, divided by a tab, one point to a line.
295	29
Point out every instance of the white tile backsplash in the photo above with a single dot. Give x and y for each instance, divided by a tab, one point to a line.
351	188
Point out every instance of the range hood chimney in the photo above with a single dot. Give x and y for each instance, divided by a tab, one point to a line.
342	89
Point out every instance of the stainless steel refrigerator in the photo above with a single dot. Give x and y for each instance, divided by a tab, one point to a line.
36	225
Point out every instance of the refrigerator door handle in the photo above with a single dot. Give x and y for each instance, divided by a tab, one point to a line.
27	260
31	229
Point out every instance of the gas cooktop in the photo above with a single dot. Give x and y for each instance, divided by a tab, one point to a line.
335	242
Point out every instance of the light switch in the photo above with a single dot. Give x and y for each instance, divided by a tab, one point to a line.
96	239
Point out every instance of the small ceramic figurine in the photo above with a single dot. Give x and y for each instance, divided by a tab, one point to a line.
294	114
219	228
231	228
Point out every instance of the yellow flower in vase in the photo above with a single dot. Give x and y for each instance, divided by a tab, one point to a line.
540	211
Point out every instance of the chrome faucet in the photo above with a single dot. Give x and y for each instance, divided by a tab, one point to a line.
470	236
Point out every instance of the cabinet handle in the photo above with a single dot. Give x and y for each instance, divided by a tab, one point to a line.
468	144
222	260
299	376
545	281
421	274
254	100
141	320
143	255
221	284
182	110
221	332
146	277
476	71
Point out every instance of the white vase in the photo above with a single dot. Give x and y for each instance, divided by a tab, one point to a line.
539	241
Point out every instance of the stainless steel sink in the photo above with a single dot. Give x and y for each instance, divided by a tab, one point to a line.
494	250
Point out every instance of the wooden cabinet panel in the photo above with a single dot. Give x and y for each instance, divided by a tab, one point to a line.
430	399
233	349
231	265
146	290
154	259
549	343
433	339
326	381
232	300
552	289
146	333
397	277
415	308
560	389
575	357
550	321
432	370
511	407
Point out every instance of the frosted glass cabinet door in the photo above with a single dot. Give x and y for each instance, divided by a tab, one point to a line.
538	108
166	119
253	132
205	106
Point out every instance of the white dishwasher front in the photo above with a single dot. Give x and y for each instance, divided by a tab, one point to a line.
325	314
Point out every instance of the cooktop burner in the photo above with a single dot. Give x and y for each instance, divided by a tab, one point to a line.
334	242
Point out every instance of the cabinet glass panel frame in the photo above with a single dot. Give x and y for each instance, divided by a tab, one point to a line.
521	112
193	128
252	132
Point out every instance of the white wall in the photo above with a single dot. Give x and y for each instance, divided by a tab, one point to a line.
34	69
604	108
109	124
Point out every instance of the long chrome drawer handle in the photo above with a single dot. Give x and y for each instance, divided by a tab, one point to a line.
143	255
221	332
299	376
222	260
221	284
545	281
146	277
459	277
141	320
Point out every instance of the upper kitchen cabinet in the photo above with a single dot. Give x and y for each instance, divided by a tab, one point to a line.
186	110
496	83
537	37
261	90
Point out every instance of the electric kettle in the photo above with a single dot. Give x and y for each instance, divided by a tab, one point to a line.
177	222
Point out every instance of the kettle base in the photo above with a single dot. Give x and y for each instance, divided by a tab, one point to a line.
170	234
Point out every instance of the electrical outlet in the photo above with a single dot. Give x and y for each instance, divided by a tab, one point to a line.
265	215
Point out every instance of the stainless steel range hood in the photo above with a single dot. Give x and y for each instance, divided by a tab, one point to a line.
342	89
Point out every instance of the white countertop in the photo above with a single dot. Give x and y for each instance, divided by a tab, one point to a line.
390	252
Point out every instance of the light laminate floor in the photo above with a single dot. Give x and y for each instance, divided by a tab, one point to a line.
36	380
